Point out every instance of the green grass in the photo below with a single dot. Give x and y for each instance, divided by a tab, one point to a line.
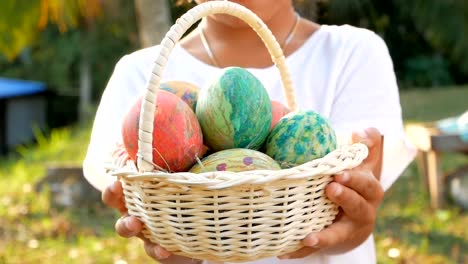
33	231
435	104
421	235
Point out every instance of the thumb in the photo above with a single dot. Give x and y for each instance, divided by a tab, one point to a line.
372	138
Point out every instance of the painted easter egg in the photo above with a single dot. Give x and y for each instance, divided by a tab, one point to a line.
278	110
236	160
234	111
300	137
188	92
177	136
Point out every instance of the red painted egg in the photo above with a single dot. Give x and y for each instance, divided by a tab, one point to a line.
177	136
278	110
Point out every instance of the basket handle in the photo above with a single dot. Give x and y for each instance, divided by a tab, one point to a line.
145	133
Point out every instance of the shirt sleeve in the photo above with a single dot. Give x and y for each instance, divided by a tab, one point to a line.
367	96
122	89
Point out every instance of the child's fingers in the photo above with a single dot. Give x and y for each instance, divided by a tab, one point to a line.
363	182
155	251
372	138
112	196
128	226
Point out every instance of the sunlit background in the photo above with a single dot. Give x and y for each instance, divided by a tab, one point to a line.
56	57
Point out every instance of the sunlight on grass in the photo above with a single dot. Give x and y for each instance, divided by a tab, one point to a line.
422	235
29	224
432	105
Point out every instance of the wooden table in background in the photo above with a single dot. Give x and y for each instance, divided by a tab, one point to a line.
431	144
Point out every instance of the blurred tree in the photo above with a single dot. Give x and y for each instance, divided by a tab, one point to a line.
67	44
75	32
35	15
444	25
307	8
154	20
23	20
428	39
17	29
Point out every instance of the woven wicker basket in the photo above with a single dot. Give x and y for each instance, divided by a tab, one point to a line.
226	216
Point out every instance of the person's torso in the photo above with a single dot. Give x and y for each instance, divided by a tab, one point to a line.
315	70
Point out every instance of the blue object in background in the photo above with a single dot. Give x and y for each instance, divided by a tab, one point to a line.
455	125
23	107
12	88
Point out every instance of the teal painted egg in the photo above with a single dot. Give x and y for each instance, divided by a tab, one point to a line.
186	91
236	160
300	137
234	111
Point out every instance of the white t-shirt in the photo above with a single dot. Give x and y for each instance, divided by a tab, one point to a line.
342	72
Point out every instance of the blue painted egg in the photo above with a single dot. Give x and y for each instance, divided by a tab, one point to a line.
300	137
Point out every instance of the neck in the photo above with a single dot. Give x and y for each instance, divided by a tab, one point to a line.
242	35
234	43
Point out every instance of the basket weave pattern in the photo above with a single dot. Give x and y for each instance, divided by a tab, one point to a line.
236	217
227	216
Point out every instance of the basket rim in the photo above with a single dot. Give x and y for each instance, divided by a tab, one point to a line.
343	158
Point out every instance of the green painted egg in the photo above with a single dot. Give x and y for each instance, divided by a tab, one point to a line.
300	137
236	160
234	111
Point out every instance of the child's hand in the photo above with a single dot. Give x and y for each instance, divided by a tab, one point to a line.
129	226
358	193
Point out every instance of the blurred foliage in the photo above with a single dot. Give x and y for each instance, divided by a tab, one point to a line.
444	25
23	20
427	39
426	70
69	13
53	57
13	25
55	39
